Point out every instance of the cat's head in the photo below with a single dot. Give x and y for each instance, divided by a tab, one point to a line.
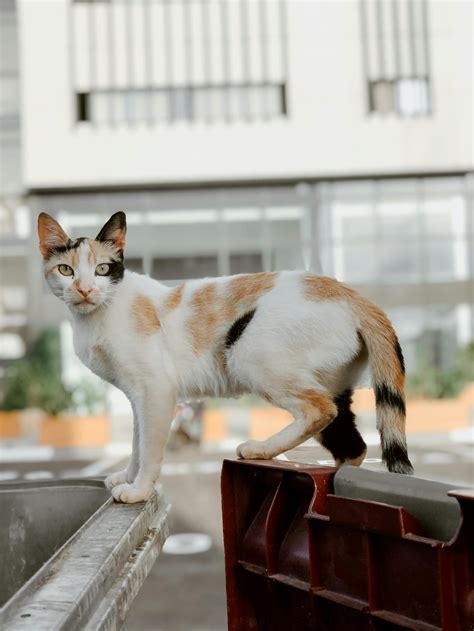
83	272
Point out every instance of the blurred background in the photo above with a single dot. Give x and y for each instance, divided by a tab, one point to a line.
239	136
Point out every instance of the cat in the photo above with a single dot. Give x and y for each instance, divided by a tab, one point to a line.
297	339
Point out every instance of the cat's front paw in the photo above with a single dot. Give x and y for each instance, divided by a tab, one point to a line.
119	477
131	494
252	450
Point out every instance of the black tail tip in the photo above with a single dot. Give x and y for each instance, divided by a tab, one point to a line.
405	468
396	458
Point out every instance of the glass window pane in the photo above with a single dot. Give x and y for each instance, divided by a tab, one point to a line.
174	268
245	263
399	261
352	221
287	259
439	260
397	219
356	263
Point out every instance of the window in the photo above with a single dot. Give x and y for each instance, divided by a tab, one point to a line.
396	57
407	97
83	106
182	268
245	263
197	103
163	61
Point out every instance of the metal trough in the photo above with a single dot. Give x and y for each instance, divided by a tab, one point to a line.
70	558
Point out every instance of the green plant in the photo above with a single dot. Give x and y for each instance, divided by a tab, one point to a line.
88	396
16	387
36	381
436	382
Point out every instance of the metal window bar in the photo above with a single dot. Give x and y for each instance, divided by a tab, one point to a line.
168	53
111	70
148	60
396	39
284	43
91	27
426	46
365	53
129	95
245	49
188	43
207	61
412	36
264	53
72	62
224	14
380	41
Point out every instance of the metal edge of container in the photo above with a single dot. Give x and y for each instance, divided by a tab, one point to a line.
133	535
114	606
35	580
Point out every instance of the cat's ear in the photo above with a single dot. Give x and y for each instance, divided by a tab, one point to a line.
51	235
114	230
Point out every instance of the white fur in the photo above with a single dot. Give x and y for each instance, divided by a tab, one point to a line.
290	341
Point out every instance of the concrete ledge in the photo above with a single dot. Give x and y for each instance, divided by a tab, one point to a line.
91	581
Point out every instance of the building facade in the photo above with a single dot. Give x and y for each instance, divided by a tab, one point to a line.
261	134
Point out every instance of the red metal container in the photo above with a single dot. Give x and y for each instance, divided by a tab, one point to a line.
300	557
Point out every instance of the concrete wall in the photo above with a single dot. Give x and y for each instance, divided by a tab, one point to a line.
328	130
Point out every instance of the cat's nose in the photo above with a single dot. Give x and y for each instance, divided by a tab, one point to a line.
84	292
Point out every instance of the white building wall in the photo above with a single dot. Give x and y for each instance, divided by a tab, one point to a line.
327	132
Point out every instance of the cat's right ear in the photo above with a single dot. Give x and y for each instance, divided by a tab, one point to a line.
51	235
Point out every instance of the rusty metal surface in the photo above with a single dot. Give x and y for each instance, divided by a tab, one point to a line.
298	556
93	577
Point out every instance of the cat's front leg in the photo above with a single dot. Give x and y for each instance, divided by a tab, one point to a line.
155	407
128	474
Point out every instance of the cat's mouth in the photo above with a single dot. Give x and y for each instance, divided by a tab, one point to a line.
85	301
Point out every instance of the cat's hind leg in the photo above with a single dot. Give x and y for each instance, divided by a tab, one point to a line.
341	437
313	411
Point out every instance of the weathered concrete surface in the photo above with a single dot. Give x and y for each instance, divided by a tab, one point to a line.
93	578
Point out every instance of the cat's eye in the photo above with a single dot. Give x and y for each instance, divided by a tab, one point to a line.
65	270
103	269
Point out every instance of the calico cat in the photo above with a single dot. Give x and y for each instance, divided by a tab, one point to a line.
297	339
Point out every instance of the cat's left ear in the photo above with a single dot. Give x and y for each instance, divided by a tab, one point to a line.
114	230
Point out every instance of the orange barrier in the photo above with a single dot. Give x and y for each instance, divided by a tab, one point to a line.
10	425
75	431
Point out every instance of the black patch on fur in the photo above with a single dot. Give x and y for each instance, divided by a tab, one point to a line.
237	329
384	395
395	456
342	437
116	272
70	245
398	350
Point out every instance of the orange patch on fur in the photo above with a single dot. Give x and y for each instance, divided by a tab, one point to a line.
325	288
91	254
144	315
174	299
214	311
313	400
202	324
376	328
243	291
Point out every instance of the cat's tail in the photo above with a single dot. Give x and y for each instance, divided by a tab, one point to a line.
388	375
